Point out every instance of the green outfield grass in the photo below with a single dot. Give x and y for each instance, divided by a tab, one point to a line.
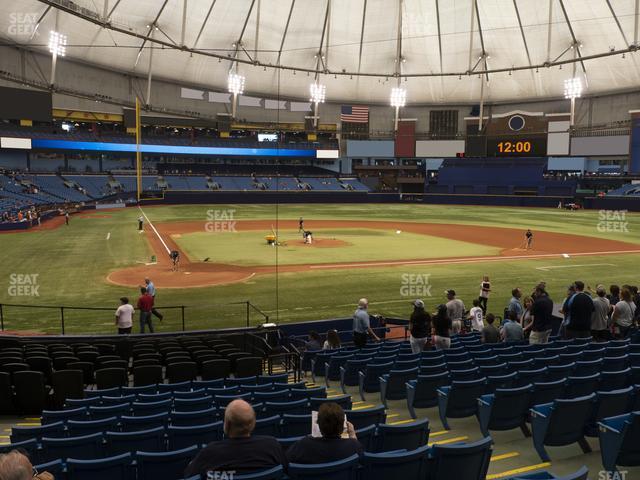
249	248
71	264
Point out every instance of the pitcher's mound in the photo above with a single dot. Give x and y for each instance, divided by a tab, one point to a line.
320	243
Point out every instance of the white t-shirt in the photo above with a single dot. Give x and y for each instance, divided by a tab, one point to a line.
124	313
484	289
476	319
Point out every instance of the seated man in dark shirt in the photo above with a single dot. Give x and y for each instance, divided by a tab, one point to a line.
239	452
330	447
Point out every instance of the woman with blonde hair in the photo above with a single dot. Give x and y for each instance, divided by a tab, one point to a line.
623	313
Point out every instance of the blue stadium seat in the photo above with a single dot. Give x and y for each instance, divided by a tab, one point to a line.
616	363
300	393
30	446
85	447
152	466
402	464
581	474
98	413
280	408
501	381
198	384
54	467
581	386
465	374
459	400
620	441
73	403
224	400
274	473
609	404
433	369
115	391
494	369
55	430
237	381
545	392
393	384
345	469
151	440
183	395
110	468
556	372
174	387
343	400
268	426
369	378
149	389
154	397
192	404
332	367
76	428
276	395
407	436
588	367
296	425
561	422
274	378
423	392
52	416
366	416
135	424
349	374
183	437
530	376
185	419
611	380
468	461
505	409
144	409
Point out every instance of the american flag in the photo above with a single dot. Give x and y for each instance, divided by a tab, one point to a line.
354	114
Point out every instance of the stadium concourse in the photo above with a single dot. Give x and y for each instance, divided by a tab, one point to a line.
232	175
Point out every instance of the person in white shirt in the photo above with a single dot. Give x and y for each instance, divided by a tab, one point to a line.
475	315
124	317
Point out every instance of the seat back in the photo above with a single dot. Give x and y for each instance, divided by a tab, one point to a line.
78	428
29	390
611	404
152	466
296	425
568	419
85	447
372	374
185	419
630	448
546	392
151	440
510	407
135	424
183	437
463	397
396	382
469	461
427	389
345	469
383	466
351	369
407	436
102	469
366	416
614	380
581	386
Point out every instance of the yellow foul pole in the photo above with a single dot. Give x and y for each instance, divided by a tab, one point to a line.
138	153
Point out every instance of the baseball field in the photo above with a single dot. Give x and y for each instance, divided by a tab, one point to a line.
388	253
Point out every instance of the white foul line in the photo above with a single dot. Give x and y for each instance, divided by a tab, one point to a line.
547	268
463	260
154	229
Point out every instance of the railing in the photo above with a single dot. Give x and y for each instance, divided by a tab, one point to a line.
83	320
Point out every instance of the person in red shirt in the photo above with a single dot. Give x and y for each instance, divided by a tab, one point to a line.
145	305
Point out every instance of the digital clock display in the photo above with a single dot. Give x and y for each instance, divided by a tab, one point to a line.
517	146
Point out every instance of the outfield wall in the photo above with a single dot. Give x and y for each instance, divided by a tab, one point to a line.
269	197
495	200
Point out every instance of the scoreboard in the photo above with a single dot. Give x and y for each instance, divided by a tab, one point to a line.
515	134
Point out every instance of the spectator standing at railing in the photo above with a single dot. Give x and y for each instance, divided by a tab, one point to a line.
362	325
333	340
419	327
145	305
124	317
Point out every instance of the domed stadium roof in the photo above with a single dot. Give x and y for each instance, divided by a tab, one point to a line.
439	50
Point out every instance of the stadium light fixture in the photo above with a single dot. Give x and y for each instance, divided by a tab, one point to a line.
572	90
58	48
235	84
317	93
57	44
398	100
